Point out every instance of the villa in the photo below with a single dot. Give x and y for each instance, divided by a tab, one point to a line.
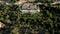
28	6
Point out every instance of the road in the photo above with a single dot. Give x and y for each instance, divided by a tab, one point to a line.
18	3
5	3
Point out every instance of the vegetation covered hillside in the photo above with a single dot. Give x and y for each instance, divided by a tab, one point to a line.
47	21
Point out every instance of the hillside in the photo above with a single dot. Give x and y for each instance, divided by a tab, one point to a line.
13	21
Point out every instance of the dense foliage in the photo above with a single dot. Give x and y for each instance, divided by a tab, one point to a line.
45	22
46	1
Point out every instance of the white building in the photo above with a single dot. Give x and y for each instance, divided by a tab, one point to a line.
1	25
